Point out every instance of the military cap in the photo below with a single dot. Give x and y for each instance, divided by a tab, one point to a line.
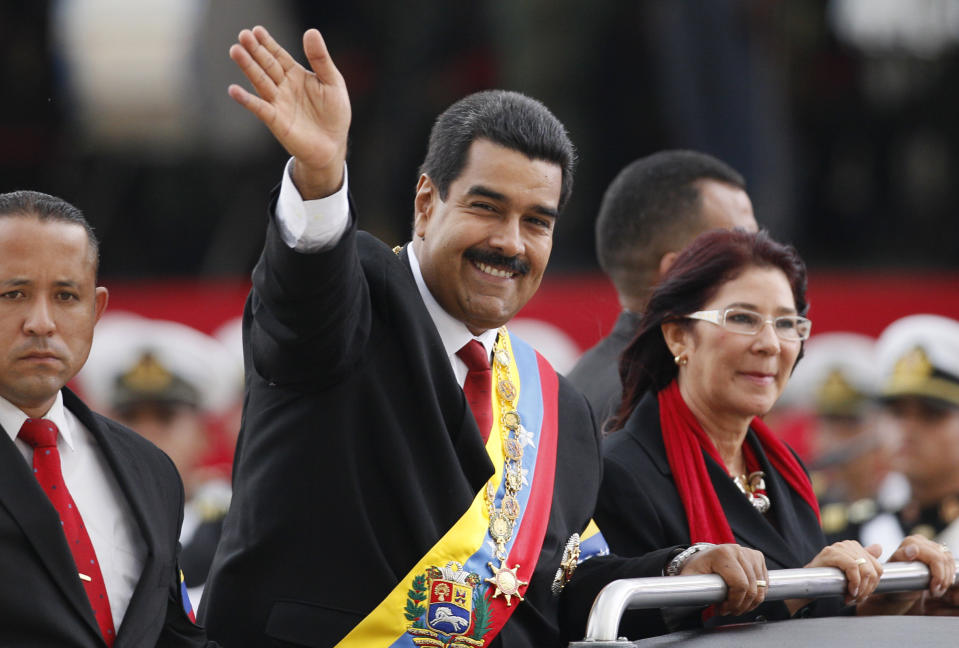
836	377
918	355
137	360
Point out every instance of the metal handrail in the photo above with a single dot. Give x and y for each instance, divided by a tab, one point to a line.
677	591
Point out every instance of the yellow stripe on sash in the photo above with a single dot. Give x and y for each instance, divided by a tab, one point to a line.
386	623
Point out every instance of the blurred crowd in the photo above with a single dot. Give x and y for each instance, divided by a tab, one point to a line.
879	422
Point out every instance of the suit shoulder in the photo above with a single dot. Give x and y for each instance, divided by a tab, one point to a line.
134	443
372	249
569	391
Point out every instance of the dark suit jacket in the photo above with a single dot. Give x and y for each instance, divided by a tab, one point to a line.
596	373
358	451
42	602
640	509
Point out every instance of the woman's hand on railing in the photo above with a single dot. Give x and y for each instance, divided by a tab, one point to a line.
934	599
743	570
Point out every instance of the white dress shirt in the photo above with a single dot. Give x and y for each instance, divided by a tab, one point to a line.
115	536
315	225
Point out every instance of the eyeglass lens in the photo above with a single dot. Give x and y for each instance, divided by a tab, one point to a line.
787	327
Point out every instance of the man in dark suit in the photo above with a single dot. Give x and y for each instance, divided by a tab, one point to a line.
88	536
651	210
369	507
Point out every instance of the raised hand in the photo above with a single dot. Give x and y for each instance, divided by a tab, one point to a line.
308	112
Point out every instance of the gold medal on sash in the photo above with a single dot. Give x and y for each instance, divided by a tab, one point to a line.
506	581
514	449
500	527
511	419
506	389
510	507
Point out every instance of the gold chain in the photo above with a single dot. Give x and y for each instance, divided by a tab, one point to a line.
502	518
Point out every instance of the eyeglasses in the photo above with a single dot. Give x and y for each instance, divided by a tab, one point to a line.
792	328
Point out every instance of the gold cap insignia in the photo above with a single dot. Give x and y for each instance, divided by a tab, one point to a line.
836	395
147	375
912	368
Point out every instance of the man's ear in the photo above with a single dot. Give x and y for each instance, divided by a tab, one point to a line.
666	261
676	336
100	298
423	203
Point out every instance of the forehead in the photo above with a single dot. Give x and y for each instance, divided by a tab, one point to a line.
762	287
725	206
497	167
29	246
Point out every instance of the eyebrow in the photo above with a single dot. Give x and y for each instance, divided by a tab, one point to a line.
22	281
480	190
782	309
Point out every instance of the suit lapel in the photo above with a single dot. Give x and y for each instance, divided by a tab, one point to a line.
22	496
466	438
128	470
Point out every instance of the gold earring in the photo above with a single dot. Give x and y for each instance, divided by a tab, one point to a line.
680	360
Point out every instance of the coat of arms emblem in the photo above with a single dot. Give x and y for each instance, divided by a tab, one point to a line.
447	605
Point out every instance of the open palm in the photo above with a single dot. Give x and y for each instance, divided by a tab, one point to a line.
307	111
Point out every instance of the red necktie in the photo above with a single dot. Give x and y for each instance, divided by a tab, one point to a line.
479	380
41	434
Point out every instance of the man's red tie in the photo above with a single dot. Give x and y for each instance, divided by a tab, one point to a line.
479	381
41	434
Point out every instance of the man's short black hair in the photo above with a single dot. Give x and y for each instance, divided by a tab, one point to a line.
46	207
503	117
650	208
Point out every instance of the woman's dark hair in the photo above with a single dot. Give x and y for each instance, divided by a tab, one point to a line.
711	260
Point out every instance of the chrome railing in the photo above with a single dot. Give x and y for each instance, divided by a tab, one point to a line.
678	591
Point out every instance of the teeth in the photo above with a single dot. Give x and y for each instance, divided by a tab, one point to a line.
494	271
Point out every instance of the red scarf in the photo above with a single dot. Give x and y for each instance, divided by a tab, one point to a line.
685	442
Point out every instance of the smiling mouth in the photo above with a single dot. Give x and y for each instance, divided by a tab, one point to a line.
496	272
760	377
496	265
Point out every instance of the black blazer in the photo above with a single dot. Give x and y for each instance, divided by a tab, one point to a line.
640	510
596	373
358	451
42	602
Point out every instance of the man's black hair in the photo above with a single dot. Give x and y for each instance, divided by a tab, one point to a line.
46	207
503	117
651	207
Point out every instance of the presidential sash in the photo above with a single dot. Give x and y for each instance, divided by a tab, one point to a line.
457	595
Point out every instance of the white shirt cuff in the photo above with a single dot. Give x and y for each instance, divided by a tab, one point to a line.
311	225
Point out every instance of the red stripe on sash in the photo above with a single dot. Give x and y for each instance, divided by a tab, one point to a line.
529	540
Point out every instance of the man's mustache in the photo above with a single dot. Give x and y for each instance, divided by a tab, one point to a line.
513	264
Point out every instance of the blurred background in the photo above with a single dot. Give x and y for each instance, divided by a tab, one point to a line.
841	114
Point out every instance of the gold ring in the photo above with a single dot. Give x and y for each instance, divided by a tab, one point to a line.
861	561
760	583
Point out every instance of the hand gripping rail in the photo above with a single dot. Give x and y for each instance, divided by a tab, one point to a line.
677	591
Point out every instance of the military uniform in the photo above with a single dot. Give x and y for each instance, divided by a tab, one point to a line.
918	359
